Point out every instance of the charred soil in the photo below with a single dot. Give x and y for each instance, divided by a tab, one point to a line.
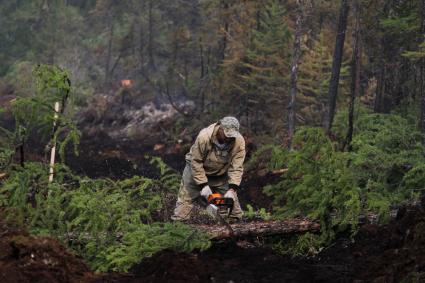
24	258
389	253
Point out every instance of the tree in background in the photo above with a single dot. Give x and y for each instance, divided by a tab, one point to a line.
259	77
391	27
336	64
38	31
422	66
313	82
225	55
296	54
418	58
355	73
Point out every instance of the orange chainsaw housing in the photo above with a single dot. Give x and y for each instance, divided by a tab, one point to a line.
224	205
216	199
220	201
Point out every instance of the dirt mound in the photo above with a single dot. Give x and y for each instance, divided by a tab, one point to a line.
252	189
24	258
229	263
389	253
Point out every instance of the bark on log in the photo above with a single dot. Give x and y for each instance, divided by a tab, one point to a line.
239	230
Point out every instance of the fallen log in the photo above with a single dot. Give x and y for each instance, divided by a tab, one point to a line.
240	230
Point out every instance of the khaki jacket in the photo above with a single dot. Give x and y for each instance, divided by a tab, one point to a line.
207	160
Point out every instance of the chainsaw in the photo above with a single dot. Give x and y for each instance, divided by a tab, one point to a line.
218	206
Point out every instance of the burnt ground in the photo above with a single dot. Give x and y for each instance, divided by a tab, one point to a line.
24	258
118	160
389	253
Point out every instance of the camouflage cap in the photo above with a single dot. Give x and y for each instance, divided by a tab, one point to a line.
230	126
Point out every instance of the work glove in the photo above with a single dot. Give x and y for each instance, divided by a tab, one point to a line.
206	191
230	194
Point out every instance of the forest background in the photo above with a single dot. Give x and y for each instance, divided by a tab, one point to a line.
333	91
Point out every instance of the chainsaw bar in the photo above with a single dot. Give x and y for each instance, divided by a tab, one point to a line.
213	206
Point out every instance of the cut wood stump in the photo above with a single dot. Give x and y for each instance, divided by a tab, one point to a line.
263	228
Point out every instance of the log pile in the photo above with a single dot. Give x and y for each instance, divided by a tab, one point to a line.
263	228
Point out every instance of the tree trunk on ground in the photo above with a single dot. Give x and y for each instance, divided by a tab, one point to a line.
294	72
254	229
336	65
235	231
355	74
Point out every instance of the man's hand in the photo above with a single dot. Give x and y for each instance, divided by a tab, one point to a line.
231	194
206	191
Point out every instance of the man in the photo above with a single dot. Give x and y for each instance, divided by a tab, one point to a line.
214	164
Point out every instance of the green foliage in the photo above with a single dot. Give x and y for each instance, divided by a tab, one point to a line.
413	181
415	55
268	156
259	214
384	149
112	224
52	83
258	75
6	148
21	77
148	240
307	244
340	128
317	185
35	112
22	182
313	80
401	24
169	178
266	62
337	188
